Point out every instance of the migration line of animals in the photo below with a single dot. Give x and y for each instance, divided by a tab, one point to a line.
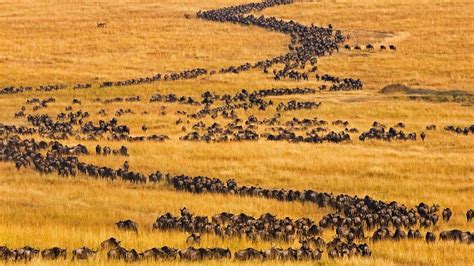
26	152
267	226
370	47
64	126
307	44
115	252
353	216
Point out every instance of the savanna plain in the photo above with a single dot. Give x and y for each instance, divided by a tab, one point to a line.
60	42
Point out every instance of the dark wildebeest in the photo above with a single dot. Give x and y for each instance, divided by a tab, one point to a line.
447	213
126	166
54	253
470	215
109	244
369	47
191	253
118	253
430	237
6	254
347	47
165	253
83	253
392	47
220	253
121	253
193	239
101	24
382	47
423	136
455	235
127	225
248	254
26	253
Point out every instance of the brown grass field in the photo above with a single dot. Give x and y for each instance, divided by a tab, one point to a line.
43	42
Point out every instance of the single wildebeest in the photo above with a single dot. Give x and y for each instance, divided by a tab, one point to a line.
423	136
193	239
83	253
392	47
132	256
369	47
118	253
165	253
248	254
109	244
54	253
6	254
220	253
447	213
121	253
191	254
127	225
382	47
430	237
470	215
26	253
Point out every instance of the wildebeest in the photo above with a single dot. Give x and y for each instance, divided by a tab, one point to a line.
431	127
447	213
430	237
191	254
26	253
126	166
109	244
457	235
193	239
165	253
54	253
120	253
414	234
470	215
249	254
83	253
127	225
392	47
101	24
6	254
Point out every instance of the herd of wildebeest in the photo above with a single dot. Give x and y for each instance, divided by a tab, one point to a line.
357	221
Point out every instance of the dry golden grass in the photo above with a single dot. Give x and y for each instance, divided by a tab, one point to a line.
59	42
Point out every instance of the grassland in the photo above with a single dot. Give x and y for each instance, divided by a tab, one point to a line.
59	42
